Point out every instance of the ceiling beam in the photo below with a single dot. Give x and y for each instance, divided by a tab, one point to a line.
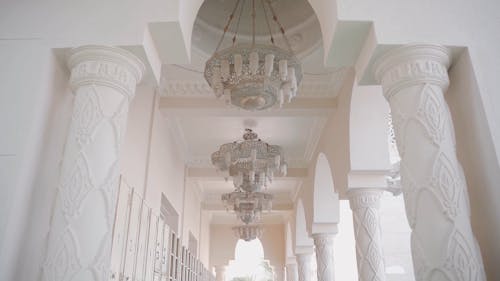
200	106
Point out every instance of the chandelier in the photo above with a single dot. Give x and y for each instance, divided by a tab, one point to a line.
248	232
251	163
249	75
248	206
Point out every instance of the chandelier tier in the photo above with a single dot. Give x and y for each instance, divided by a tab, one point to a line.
248	206
254	76
250	163
248	232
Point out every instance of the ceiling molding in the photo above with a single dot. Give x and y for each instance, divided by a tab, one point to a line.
314	137
321	85
190	107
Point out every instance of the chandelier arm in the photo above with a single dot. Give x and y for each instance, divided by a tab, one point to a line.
282	29
238	22
267	21
228	23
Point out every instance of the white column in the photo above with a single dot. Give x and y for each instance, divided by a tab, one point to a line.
365	205
323	243
304	266
103	80
414	79
220	273
291	272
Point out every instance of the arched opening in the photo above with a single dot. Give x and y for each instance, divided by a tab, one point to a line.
326	208
249	263
302	238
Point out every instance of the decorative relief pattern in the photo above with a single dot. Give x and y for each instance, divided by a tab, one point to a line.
365	205
304	267
90	170
320	86
411	75
62	262
324	256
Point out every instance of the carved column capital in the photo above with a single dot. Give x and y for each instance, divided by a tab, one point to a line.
323	239
364	198
413	65
106	66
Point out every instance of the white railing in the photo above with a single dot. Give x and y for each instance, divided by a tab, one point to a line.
145	249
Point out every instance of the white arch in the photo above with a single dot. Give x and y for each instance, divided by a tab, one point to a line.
368	129
289	242
302	238
326	200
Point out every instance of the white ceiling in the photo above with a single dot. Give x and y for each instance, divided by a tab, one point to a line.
202	123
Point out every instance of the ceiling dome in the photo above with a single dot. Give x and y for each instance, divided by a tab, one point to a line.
297	17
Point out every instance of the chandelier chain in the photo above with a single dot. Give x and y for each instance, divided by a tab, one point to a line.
228	23
267	22
238	22
282	29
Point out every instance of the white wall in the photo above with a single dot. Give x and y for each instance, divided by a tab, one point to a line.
33	91
205	238
475	153
166	168
191	217
134	157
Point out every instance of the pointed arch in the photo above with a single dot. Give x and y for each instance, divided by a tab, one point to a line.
302	238
325	199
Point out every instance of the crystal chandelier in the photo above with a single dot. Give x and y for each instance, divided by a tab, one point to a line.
249	75
251	163
248	206
248	232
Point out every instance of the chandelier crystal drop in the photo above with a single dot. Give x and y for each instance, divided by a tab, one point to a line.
248	232
254	76
248	206
250	163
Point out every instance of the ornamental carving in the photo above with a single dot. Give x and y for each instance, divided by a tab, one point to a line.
103	80
105	66
413	79
365	204
324	256
304	267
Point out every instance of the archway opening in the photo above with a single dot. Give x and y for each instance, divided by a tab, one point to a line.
249	263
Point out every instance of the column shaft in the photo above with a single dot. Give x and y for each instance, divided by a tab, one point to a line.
220	273
414	79
304	266
323	243
365	204
291	272
103	80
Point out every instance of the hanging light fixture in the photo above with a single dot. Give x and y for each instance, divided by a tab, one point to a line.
251	163
248	206
248	232
249	75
